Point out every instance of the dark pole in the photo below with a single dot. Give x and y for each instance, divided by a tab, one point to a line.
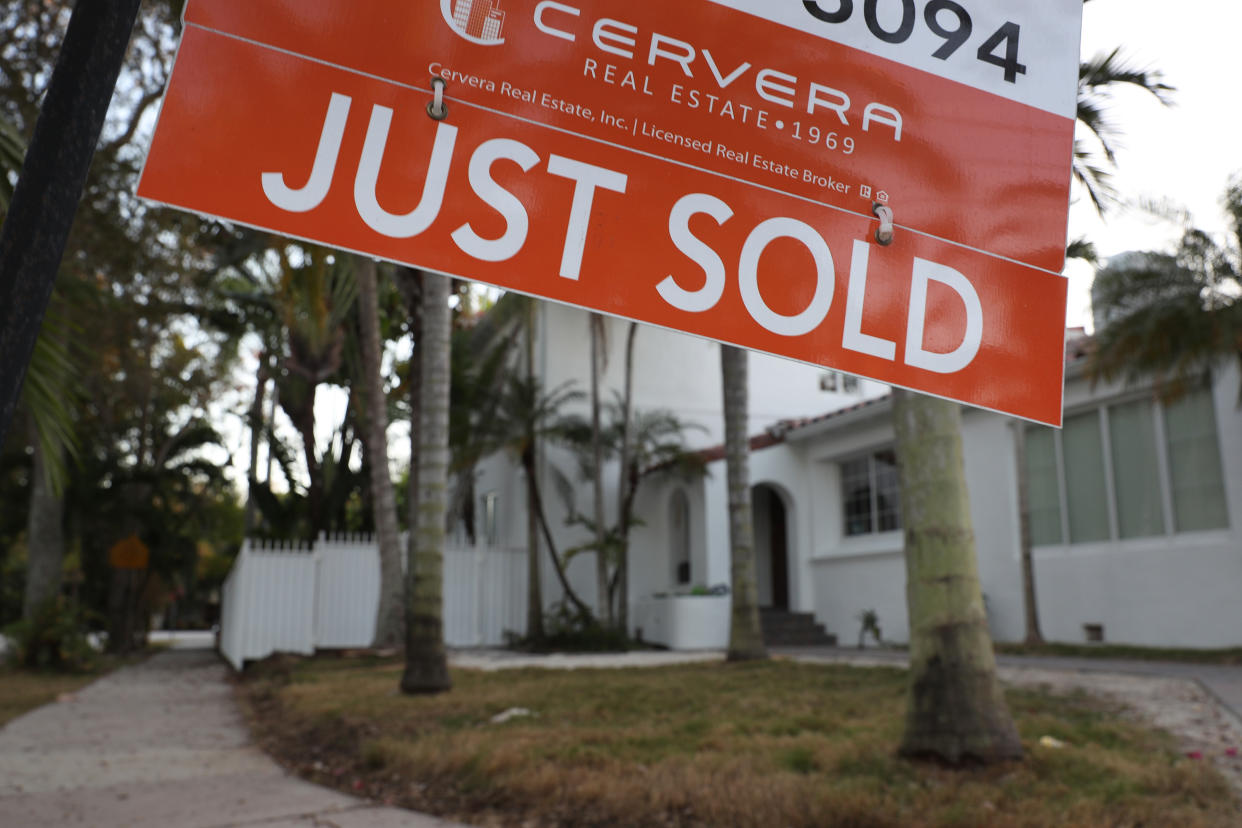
54	173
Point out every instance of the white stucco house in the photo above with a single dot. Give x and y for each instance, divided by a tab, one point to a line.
1135	505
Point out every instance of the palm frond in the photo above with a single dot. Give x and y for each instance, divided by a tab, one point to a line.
195	436
51	394
12	154
1168	316
1104	72
1082	249
1098	79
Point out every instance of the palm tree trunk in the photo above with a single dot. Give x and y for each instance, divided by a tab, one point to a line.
625	498
45	535
745	633
532	488
256	434
956	710
534	584
597	474
1029	603
426	663
271	433
304	421
389	615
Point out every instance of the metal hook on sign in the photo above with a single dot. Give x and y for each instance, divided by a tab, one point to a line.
437	108
883	235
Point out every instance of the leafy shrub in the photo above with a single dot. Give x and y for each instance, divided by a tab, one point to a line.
53	638
568	629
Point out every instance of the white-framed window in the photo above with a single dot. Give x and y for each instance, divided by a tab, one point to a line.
870	498
679	537
836	381
1129	469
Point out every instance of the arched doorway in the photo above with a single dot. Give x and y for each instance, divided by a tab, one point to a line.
771	546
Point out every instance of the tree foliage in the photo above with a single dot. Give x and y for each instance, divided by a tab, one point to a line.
644	445
1095	150
122	368
1168	316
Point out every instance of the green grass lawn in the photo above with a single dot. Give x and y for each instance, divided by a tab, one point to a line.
766	744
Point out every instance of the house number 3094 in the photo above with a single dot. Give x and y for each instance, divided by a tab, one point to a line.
946	19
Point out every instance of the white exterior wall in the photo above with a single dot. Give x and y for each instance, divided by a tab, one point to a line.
672	371
681	373
783	469
1178	589
849	575
651	543
989	449
1170	590
716	565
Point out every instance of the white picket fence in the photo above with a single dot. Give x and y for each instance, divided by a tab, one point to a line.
297	597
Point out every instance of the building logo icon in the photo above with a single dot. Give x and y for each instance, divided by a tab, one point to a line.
479	21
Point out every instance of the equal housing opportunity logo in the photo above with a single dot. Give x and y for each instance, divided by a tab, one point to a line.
479	21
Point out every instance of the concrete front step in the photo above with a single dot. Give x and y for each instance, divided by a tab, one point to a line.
793	629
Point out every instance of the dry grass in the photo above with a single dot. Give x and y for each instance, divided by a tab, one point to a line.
23	690
769	744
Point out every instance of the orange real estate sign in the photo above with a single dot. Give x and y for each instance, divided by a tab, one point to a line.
704	166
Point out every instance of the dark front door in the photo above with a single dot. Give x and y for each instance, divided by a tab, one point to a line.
778	543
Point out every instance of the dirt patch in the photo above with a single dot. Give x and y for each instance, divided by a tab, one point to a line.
335	751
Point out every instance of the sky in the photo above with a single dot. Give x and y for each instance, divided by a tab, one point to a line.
1184	153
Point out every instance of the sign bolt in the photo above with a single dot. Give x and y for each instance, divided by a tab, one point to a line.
883	235
438	109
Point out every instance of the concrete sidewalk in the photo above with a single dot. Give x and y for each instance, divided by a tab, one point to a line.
162	744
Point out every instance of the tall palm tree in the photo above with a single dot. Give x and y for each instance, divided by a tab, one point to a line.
625	501
48	390
529	417
597	332
650	443
956	711
482	422
1170	316
745	632
390	611
534	577
647	444
426	662
314	302
47	398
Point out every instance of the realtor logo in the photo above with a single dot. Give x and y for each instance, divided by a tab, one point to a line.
479	21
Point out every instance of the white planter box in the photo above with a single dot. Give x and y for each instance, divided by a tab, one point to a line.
685	622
